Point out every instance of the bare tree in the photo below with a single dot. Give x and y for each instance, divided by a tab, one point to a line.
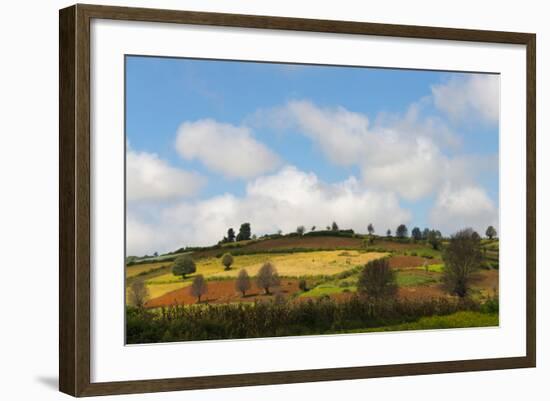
138	294
377	280
267	277
227	261
462	258
243	282
199	287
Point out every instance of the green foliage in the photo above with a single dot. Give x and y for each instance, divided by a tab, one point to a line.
302	285
377	280
227	261
402	231
334	226
244	232
370	229
270	319
184	265
491	232
416	234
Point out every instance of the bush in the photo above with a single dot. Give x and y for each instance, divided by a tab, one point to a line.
302	285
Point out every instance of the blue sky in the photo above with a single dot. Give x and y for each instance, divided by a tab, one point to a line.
423	142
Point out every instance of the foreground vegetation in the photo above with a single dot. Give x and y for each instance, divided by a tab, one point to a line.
314	316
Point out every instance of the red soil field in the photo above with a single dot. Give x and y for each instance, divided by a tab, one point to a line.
411	261
223	291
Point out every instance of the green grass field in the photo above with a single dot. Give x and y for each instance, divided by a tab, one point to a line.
456	320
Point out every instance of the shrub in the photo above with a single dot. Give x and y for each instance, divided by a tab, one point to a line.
227	261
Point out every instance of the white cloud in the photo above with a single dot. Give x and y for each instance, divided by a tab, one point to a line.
398	153
279	201
224	148
467	206
148	177
471	96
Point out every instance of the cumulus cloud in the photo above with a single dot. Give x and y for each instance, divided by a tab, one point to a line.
462	207
280	201
398	153
148	177
470	96
224	148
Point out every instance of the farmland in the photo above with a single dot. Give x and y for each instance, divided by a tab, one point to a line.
320	269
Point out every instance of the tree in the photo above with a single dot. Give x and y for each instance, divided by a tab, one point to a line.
138	294
377	280
334	226
244	232
434	239
416	234
491	232
230	235
462	258
313	228
370	229
243	282
227	261
184	265
425	233
199	287
402	231
267	277
300	230
155	254
388	233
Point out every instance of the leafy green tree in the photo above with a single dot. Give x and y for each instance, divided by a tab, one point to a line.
370	229
230	235
377	281
491	232
334	226
416	234
462	258
300	230
199	287
184	265
227	261
313	228
434	239
244	232
243	283
388	233
402	231
267	277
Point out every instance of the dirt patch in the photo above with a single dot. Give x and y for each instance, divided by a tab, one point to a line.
221	292
486	279
423	292
411	261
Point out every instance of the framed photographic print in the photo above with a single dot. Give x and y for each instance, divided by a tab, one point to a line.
305	198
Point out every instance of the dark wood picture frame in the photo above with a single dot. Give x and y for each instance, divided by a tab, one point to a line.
74	199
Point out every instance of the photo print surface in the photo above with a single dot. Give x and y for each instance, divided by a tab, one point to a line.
268	199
